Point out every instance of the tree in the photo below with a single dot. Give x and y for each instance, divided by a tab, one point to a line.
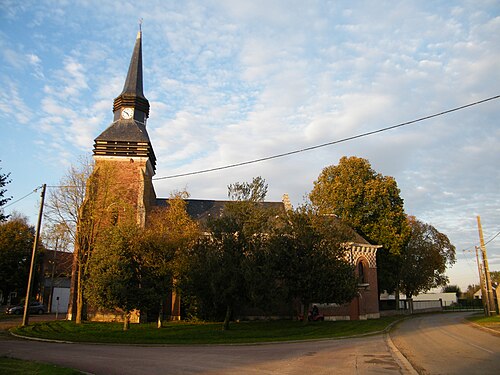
4	180
368	202
312	259
16	244
452	289
219	265
471	290
104	205
495	276
424	259
114	275
168	235
63	203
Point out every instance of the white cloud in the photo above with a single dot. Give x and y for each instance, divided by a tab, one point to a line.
231	81
12	104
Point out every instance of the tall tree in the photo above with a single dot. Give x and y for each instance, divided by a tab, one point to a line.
103	205
63	203
364	199
4	180
425	258
311	259
371	204
16	244
114	275
168	235
219	264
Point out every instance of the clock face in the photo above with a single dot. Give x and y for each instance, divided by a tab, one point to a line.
127	113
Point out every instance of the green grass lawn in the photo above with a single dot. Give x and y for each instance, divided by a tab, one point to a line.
201	333
13	366
492	322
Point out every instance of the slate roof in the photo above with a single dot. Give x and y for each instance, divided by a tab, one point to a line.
203	209
125	131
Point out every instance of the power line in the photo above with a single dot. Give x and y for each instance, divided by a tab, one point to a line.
20	199
308	148
328	143
492	238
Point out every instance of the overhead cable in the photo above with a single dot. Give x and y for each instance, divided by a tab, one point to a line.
328	143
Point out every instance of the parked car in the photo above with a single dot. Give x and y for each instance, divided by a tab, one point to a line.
35	308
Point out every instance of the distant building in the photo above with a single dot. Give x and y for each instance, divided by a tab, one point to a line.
55	280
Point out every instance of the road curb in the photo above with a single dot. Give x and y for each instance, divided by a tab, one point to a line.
40	339
486	329
403	363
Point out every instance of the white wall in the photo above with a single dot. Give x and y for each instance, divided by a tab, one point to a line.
60	306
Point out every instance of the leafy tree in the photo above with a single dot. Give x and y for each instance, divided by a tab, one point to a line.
219	265
215	276
452	289
368	202
471	290
4	180
114	271
364	199
16	244
169	233
312	260
424	259
495	276
104	205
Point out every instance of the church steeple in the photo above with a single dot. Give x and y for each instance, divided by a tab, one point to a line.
132	94
127	135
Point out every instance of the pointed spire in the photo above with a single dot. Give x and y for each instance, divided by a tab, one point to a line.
133	83
132	94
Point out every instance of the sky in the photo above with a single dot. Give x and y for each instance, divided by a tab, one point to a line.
230	81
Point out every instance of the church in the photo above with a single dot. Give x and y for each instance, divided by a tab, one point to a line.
123	153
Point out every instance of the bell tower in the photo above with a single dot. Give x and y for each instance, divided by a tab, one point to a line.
120	187
123	152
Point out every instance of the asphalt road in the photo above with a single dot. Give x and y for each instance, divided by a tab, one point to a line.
446	344
368	355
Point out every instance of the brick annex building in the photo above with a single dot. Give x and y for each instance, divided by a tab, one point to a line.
124	156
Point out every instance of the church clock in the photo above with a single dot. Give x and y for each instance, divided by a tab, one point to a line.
127	113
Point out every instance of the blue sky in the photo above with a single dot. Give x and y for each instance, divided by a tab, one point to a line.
229	81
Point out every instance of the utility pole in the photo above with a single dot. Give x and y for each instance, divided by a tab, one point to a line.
492	311
33	258
484	296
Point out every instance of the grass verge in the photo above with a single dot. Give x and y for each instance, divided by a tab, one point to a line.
184	333
13	366
491	322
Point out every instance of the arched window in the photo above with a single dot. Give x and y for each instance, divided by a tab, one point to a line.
361	272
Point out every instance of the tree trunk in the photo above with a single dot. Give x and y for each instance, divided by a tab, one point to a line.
126	320
305	315
229	311
160	314
79	296
396	297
